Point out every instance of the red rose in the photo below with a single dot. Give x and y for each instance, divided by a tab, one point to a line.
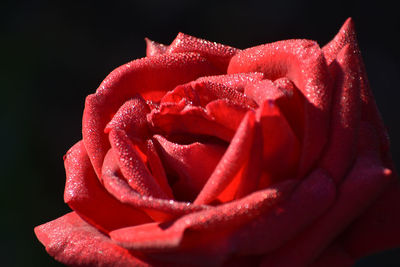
202	154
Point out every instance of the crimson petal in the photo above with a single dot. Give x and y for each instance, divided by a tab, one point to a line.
158	209
136	77
193	163
312	197
154	48
340	151
72	241
132	166
218	54
233	159
167	236
361	187
84	194
303	62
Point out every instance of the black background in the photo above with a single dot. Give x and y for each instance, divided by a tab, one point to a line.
54	53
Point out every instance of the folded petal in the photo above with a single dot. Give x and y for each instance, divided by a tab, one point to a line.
84	194
125	82
157	208
72	241
218	54
360	189
131	118
345	115
233	159
172	119
132	166
345	36
154	48
312	197
303	62
193	233
193	163
281	147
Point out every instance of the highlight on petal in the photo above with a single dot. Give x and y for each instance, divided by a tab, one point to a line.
154	48
302	62
216	53
72	241
125	82
131	118
84	194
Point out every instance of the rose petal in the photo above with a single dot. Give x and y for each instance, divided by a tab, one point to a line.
226	113
217	53
281	147
84	194
193	163
308	202
345	36
156	208
132	167
157	168
341	147
171	119
154	48
136	77
230	163
167	236
234	82
303	63
131	117
209	91
361	187
73	242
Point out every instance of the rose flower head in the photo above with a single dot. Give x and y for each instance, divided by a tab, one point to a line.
201	154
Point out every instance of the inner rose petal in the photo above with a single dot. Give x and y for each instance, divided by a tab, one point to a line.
125	82
193	164
303	62
231	162
157	208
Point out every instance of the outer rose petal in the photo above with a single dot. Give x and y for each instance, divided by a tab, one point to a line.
341	147
347	35
303	63
154	48
218	54
72	241
125	82
192	234
363	185
84	194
